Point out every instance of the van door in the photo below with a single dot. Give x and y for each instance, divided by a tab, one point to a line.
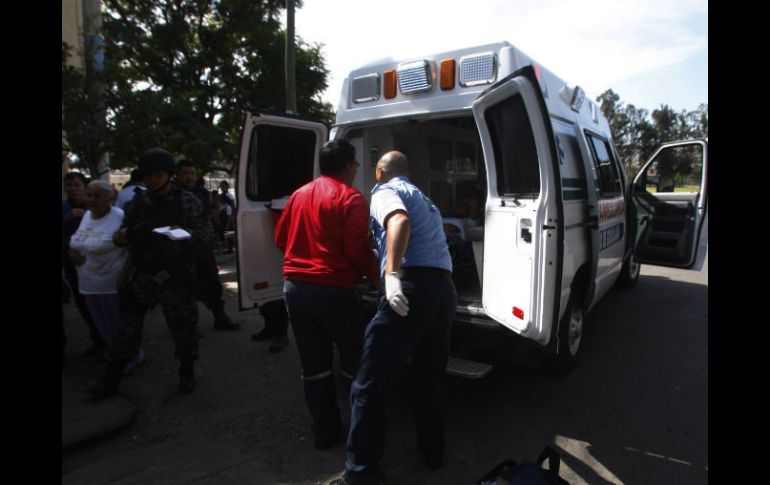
608	213
671	198
278	155
523	226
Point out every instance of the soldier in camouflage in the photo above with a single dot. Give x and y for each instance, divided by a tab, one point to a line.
164	270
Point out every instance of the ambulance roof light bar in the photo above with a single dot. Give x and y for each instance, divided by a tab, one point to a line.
414	77
477	69
366	88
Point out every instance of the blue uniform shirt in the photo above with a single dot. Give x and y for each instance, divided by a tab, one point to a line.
427	242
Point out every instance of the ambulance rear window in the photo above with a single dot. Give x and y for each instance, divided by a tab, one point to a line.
280	161
514	146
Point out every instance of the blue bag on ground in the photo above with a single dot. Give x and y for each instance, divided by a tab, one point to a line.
509	472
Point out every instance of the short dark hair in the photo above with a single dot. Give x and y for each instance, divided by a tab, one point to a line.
335	154
136	176
76	175
185	162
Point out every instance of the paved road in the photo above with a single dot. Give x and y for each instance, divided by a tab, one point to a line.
634	411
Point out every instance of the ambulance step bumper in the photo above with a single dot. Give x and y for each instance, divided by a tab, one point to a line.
467	369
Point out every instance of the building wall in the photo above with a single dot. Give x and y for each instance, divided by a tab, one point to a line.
72	29
72	34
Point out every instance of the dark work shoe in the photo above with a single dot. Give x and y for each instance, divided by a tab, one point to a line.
223	322
279	343
434	461
265	334
434	458
94	349
369	478
186	378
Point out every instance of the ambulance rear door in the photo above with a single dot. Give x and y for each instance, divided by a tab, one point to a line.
278	155
523	225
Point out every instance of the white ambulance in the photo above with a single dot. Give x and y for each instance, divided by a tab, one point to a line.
540	218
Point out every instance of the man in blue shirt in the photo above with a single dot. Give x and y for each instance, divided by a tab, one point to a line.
414	318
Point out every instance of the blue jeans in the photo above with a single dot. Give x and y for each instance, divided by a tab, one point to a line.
322	316
389	340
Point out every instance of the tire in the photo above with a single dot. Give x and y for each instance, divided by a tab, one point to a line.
569	336
629	273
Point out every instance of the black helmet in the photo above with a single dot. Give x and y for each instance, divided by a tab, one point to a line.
156	159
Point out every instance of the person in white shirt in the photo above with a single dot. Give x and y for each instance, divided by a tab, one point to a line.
101	265
134	185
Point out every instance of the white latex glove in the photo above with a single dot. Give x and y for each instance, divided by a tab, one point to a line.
395	296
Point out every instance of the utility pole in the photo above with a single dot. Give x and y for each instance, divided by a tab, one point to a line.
291	94
94	66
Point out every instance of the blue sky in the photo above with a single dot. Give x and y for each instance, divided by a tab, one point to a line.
650	52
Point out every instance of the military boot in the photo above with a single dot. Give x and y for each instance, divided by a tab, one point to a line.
186	377
221	320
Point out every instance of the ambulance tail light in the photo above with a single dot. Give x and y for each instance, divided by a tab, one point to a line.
261	285
518	313
389	83
447	74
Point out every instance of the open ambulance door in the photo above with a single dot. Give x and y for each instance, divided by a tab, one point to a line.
278	155
671	198
592	222
523	225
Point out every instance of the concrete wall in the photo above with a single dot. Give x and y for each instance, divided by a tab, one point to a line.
72	29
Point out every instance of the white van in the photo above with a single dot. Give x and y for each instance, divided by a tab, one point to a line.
540	218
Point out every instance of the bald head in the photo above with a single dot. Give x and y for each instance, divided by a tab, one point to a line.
392	164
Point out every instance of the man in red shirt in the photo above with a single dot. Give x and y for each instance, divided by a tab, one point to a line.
323	233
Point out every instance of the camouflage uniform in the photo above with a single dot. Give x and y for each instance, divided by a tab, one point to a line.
154	280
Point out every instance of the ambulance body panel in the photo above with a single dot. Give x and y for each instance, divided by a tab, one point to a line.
540	217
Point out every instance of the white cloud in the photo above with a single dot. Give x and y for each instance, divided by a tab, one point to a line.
595	43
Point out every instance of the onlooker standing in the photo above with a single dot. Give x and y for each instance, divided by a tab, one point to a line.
224	186
227	220
102	266
134	186
414	318
72	211
206	266
324	237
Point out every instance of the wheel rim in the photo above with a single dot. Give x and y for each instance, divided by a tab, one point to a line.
575	329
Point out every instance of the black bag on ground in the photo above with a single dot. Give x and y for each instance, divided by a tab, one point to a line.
509	472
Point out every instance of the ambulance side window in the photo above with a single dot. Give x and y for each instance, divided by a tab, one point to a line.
280	161
606	167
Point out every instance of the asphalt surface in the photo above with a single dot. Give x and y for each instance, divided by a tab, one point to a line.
635	409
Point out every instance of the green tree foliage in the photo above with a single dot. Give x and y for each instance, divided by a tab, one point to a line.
638	133
83	134
181	73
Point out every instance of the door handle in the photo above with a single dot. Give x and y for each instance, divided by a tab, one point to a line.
592	223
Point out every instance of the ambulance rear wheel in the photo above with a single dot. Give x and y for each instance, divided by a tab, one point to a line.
629	273
569	335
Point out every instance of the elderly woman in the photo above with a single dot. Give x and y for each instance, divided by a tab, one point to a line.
72	210
102	266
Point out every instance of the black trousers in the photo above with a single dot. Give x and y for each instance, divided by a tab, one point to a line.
206	271
71	273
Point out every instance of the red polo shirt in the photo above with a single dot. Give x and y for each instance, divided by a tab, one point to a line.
323	233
